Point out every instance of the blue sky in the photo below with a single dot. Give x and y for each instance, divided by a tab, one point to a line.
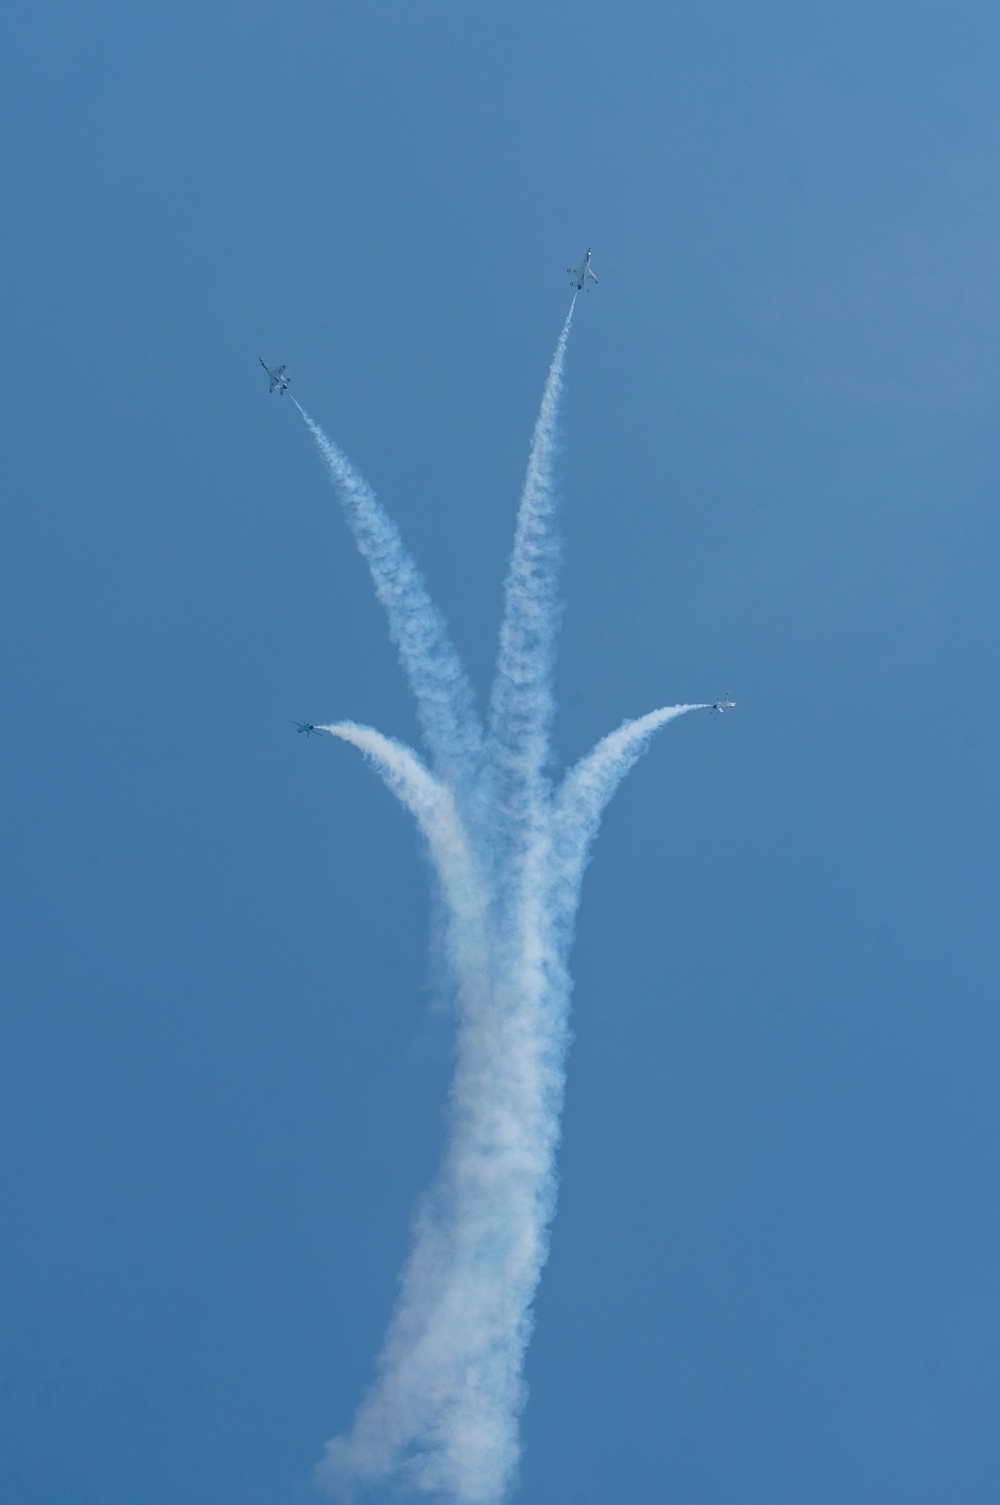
774	1268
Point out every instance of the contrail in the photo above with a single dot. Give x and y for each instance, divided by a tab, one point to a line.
432	805
521	701
509	853
440	685
587	788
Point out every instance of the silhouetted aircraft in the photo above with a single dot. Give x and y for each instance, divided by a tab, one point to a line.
276	375
582	275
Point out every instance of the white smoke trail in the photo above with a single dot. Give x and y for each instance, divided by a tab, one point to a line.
432	805
440	686
442	1416
521	702
585	791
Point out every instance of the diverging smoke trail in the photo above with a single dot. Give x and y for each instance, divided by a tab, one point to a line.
521	701
437	677
433	807
582	798
509	855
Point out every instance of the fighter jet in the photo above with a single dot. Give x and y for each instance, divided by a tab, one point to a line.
725	704
582	276
308	728
279	381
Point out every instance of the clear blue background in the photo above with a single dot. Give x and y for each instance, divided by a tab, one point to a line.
775	1274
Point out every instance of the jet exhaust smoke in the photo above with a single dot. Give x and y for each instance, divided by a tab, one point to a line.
508	850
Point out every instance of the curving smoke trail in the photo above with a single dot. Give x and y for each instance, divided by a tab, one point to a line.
509	854
580	802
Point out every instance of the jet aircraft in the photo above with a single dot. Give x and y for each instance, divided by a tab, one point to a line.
582	275
276	375
307	727
725	704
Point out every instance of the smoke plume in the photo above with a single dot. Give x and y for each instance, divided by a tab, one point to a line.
508	850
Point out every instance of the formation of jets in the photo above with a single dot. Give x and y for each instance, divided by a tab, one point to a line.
581	276
276	377
716	709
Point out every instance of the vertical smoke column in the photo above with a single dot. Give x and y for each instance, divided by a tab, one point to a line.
521	701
